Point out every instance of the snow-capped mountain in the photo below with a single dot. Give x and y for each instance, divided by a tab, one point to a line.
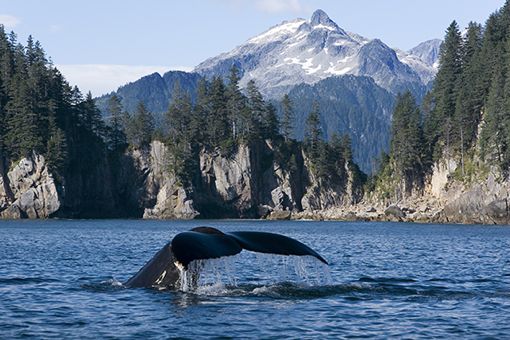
423	59
354	79
307	51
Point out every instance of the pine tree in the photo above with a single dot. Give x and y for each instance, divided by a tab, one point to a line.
90	117
116	135
270	125
257	112
56	146
445	89
470	93
178	116
219	125
22	134
406	148
287	118
313	134
236	104
493	138
140	127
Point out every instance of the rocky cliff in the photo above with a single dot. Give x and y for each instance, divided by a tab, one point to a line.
28	189
481	197
252	182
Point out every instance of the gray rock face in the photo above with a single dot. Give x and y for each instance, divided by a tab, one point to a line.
427	51
28	190
423	59
159	193
486	203
244	184
394	211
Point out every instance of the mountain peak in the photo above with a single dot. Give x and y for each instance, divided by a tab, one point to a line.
319	17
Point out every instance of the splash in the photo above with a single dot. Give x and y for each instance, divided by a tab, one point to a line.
214	276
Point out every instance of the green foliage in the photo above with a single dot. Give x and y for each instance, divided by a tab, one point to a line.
348	105
407	143
313	140
469	104
140	127
287	118
116	136
439	124
40	112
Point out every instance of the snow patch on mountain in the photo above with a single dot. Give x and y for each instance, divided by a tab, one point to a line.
307	51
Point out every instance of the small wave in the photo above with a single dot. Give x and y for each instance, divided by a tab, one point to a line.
111	284
25	280
358	290
387	279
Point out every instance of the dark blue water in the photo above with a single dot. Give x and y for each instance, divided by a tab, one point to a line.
62	279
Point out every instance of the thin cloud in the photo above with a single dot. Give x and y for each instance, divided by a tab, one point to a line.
55	28
267	6
278	6
104	78
9	21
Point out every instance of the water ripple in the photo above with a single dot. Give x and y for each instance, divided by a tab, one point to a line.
63	279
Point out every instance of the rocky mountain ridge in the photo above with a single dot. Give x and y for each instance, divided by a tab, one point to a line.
306	51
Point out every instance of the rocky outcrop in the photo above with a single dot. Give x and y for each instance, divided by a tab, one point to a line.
28	190
253	181
156	190
248	183
485	203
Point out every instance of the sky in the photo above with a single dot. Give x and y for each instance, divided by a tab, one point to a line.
102	44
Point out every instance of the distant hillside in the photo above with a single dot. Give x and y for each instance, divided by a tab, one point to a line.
307	58
349	105
154	91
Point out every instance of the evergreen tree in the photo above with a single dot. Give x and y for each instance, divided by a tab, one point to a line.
470	93
22	134
140	128
313	134
287	118
445	89
56	146
257	111
90	117
116	135
406	148
219	127
179	116
270	125
494	134
236	104
202	114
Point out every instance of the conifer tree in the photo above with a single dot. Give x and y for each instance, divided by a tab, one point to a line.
141	127
287	118
116	135
313	134
219	126
270	125
257	111
235	104
406	148
446	87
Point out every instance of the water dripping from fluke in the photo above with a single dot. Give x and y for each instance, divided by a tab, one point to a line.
234	275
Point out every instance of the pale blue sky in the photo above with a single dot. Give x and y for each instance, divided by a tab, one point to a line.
101	44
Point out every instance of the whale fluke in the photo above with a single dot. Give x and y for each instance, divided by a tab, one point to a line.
201	243
271	243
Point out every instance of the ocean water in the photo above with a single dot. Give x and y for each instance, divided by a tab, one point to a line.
63	279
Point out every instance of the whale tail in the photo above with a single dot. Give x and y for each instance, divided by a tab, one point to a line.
208	243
